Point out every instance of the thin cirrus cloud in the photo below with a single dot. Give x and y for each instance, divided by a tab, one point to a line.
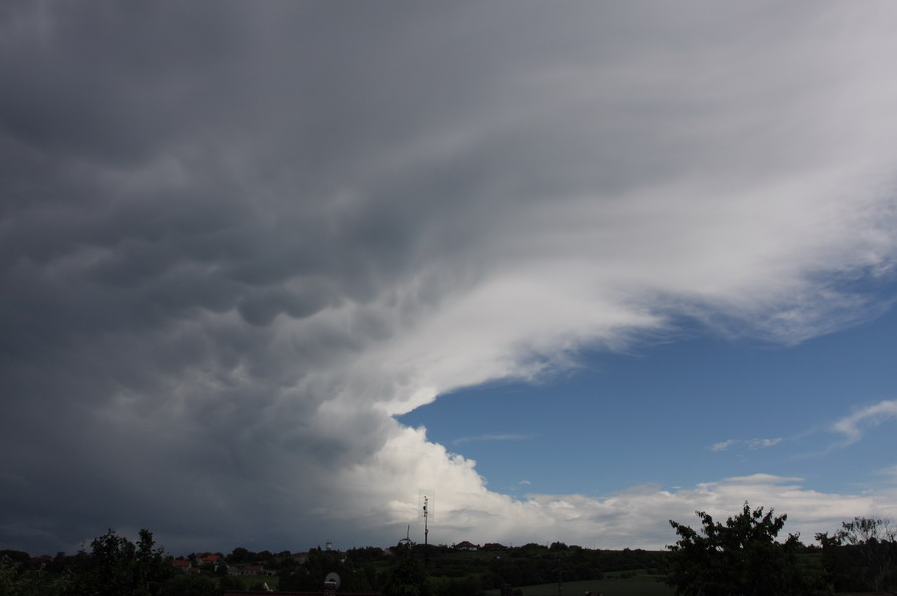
751	444
855	425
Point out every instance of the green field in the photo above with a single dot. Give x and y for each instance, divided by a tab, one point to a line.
613	585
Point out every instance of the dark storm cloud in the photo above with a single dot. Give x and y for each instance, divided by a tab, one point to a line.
235	237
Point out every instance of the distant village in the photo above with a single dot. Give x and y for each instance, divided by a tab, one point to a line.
242	562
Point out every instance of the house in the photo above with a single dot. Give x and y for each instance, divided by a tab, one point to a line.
466	546
300	557
182	564
494	546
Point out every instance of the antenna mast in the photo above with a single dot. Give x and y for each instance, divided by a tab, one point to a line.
427	510
426	529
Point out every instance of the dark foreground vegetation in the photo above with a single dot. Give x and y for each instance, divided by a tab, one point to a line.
743	556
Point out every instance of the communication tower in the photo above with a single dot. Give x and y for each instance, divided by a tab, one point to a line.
427	511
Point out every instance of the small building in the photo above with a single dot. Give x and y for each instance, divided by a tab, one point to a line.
300	557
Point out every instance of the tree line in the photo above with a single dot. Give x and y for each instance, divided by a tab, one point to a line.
742	556
115	566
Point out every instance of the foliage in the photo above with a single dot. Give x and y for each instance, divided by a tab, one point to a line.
309	577
407	576
183	584
740	557
240	555
14	556
468	585
862	555
875	541
10	582
114	566
118	567
532	564
368	553
723	556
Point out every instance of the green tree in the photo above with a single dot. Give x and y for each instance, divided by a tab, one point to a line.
840	574
9	577
183	584
738	558
309	577
118	567
240	555
407	576
873	541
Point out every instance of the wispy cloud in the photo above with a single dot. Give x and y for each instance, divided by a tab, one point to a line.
723	445
760	479
853	426
751	444
492	437
762	443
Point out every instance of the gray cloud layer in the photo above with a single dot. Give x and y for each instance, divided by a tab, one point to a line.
234	238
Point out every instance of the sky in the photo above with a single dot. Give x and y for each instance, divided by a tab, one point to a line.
270	272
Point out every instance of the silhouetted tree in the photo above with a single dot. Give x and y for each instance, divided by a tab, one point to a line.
863	550
407	576
118	567
738	558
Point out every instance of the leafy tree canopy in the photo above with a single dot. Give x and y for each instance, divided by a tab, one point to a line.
740	557
862	554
